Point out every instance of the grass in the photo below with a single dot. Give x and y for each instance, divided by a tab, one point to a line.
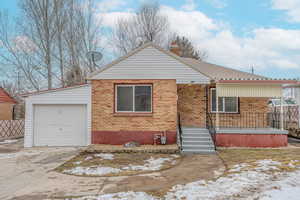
120	160
233	157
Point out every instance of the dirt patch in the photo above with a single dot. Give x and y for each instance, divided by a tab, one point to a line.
119	161
191	168
233	157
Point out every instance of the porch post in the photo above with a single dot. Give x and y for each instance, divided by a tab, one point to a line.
217	111
281	113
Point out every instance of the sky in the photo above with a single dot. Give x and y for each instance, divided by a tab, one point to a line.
241	34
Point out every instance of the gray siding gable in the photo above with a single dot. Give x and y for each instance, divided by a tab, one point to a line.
152	63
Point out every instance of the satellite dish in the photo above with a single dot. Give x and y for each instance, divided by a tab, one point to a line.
94	56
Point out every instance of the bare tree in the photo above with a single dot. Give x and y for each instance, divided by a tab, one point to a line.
17	55
147	24
188	50
38	26
50	39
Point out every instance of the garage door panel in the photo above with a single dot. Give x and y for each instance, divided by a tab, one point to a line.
59	125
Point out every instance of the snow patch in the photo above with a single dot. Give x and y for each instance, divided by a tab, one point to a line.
8	141
17	154
287	188
267	164
118	196
105	156
91	170
239	167
151	164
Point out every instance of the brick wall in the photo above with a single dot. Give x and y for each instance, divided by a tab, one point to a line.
106	121
192	105
252	114
6	111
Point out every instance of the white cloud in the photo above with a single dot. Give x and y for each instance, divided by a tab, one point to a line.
25	44
292	7
109	5
192	24
217	3
110	19
189	5
263	48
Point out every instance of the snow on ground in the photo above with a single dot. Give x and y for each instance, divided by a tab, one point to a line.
105	156
287	188
17	154
92	170
241	183
120	195
151	164
8	141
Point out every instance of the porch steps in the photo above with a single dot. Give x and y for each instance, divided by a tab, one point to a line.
197	140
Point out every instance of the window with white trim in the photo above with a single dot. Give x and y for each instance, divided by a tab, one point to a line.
226	104
133	98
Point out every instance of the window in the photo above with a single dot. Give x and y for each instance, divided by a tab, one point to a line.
133	98
226	104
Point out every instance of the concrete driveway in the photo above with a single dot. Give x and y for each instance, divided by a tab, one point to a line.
27	173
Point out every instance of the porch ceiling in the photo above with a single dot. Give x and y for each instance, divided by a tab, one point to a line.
248	90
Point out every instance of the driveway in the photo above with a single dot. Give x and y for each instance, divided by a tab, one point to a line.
27	174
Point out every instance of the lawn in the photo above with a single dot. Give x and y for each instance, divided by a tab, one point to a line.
118	164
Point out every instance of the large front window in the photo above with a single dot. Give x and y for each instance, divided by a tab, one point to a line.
225	104
133	98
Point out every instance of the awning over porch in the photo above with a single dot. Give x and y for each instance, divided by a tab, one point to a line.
249	90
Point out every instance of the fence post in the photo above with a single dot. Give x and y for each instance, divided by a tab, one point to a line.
281	113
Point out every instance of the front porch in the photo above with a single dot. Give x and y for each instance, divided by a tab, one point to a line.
239	120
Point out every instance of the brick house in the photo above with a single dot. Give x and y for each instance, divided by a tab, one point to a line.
6	105
152	92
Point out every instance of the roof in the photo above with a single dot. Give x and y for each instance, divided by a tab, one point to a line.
222	73
54	90
212	71
5	97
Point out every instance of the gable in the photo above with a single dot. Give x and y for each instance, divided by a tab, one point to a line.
151	63
5	98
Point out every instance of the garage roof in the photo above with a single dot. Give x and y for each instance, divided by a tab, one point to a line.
5	97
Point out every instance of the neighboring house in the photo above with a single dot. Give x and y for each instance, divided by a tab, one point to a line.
7	104
150	92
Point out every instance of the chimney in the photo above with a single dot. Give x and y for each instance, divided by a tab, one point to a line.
174	48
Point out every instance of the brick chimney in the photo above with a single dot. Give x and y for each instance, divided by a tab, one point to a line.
174	48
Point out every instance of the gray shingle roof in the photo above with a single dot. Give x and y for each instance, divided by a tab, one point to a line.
217	72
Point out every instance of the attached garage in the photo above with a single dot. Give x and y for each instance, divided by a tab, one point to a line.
58	117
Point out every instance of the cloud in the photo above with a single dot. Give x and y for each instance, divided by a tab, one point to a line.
110	19
189	5
217	3
24	44
262	48
109	5
291	7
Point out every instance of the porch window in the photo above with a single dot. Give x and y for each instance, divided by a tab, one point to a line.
133	98
226	104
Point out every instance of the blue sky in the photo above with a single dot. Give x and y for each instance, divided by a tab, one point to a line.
240	34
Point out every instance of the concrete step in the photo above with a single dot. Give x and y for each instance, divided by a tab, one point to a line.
195	131
192	139
195	135
196	151
198	147
196	143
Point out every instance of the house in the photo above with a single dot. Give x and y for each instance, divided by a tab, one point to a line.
151	92
6	105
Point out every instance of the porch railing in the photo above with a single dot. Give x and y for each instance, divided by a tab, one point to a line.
211	127
245	120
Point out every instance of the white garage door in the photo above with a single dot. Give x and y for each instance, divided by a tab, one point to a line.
59	125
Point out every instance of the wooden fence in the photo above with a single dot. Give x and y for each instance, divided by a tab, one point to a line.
11	129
